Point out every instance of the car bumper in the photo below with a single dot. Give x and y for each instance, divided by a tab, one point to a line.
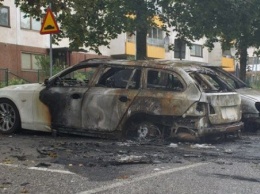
221	129
192	134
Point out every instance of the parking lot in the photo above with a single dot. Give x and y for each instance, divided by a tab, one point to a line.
33	162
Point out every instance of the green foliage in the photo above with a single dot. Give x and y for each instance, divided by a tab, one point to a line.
80	76
16	81
92	23
43	62
230	22
13	81
2	84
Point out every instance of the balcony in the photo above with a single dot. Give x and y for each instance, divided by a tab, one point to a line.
124	46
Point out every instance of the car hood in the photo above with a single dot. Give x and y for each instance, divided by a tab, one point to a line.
23	87
249	93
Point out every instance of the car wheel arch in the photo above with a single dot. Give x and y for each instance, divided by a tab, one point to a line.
140	117
14	105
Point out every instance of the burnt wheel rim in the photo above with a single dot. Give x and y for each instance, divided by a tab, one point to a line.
7	117
148	131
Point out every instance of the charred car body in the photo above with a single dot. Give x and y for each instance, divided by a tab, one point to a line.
121	98
250	99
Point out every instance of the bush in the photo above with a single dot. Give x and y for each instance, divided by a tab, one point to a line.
2	84
43	62
16	81
13	81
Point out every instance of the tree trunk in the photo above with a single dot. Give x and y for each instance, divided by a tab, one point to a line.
141	31
243	63
141	52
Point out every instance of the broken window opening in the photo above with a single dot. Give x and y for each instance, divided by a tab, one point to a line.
117	77
163	81
77	78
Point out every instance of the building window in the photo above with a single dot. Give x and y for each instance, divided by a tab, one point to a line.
155	37
196	50
4	16
29	23
29	61
179	49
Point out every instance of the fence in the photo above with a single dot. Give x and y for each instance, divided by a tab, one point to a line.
9	78
3	77
253	79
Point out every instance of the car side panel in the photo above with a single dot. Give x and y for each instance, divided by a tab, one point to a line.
103	108
65	106
165	103
33	113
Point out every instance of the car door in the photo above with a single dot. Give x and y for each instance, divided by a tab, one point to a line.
165	94
64	97
108	100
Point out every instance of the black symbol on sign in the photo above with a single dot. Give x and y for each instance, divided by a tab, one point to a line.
49	27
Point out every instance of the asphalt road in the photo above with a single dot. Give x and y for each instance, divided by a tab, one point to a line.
33	162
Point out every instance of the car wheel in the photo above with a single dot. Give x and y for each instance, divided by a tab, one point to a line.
9	117
145	130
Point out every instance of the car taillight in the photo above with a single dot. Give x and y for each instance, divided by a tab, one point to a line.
197	109
257	106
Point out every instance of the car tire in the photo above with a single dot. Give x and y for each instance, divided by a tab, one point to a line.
9	117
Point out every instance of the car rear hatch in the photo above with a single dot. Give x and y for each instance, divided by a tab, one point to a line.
224	107
223	102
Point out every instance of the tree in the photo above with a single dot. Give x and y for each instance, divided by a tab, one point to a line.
230	22
93	23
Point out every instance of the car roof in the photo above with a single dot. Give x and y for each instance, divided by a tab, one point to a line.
159	64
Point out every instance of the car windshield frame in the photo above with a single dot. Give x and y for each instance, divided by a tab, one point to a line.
238	82
210	82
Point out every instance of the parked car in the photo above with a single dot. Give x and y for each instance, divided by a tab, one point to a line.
122	98
250	99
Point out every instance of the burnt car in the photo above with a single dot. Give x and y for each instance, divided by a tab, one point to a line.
122	98
250	99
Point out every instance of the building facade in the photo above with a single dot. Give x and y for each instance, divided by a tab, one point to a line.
21	43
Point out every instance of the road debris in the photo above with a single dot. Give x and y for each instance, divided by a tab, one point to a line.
173	145
203	146
130	159
228	151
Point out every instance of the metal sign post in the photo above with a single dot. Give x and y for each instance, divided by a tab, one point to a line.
49	26
50	50
51	55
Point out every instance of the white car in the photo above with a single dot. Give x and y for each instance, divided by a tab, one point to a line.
250	99
144	99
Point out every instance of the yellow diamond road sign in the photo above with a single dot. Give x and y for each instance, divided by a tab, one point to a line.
49	25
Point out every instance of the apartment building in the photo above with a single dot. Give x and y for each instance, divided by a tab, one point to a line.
21	42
